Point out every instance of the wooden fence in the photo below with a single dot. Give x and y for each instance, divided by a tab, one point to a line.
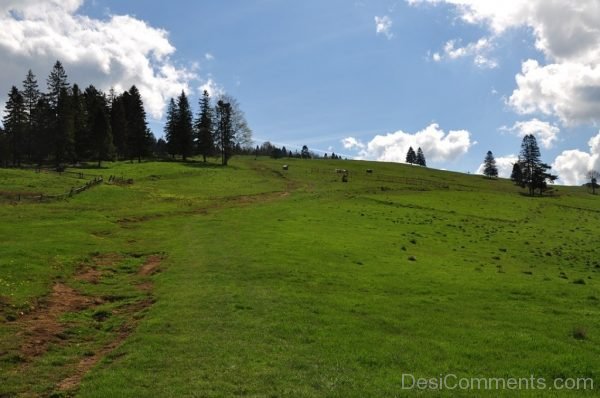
30	197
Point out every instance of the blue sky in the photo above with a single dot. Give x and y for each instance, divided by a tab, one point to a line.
362	78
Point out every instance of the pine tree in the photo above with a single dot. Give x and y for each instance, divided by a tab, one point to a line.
4	148
420	160
224	132
529	160
184	129
57	82
118	124
98	123
516	175
170	128
411	156
31	95
138	134
534	173
490	170
80	107
204	127
64	130
44	121
15	124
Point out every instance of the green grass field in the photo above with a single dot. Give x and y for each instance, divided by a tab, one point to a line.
203	281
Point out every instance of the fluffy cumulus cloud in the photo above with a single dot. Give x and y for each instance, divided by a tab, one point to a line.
504	165
570	91
567	33
437	145
545	132
572	166
383	26
117	52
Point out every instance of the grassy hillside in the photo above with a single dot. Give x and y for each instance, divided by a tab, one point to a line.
249	280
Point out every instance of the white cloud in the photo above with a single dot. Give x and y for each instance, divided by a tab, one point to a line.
437	145
479	50
213	88
545	132
383	25
117	52
568	34
209	57
504	165
570	91
352	143
573	165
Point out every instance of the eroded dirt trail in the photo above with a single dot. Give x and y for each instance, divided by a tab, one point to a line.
42	327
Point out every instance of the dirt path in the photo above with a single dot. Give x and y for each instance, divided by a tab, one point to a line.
42	326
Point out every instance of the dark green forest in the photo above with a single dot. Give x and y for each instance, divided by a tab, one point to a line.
69	125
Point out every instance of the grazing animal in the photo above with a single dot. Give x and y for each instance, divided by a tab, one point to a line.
370	171
285	166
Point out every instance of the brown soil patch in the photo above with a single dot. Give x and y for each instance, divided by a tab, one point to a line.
90	275
107	259
87	363
151	265
43	327
93	274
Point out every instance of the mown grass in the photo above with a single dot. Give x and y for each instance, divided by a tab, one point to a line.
293	283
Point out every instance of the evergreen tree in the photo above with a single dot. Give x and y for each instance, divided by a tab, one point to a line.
31	95
516	175
204	127
184	129
15	124
411	156
170	128
4	148
160	149
534	173
118	124
224	131
64	129
57	82
80	107
240	131
138	134
305	153
44	121
420	160
529	160
489	166
99	127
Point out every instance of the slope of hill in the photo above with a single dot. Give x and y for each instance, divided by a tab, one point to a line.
252	280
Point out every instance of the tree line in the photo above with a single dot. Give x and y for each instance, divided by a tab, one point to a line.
528	171
67	124
217	130
268	149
